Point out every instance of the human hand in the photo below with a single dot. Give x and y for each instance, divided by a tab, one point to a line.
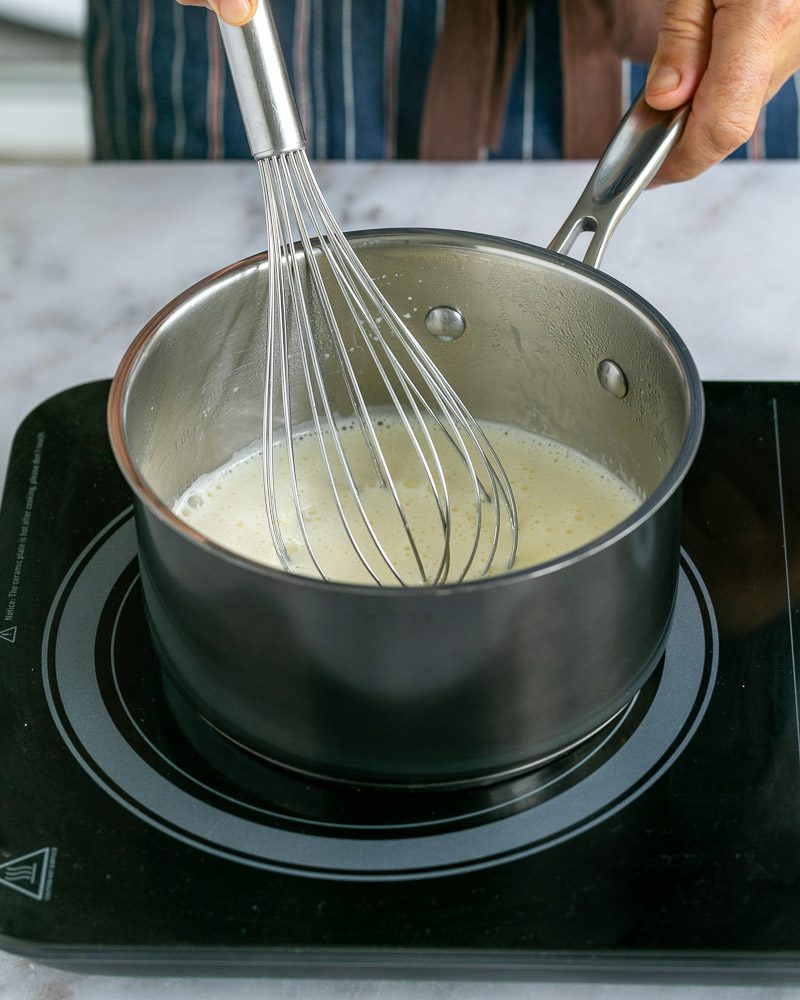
236	12
729	57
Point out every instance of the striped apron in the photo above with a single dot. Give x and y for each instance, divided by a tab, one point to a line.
360	69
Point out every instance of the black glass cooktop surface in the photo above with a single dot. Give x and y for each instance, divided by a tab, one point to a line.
667	845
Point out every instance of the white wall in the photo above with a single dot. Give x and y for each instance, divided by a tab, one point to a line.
44	107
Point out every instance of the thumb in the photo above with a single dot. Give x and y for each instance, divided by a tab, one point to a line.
236	12
681	56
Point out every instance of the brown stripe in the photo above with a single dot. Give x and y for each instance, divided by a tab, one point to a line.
103	147
596	35
634	28
302	82
592	78
147	114
467	90
214	92
512	33
393	34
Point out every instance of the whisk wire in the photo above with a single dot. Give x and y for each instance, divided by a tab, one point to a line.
289	262
294	206
364	323
349	268
450	404
276	301
298	198
284	263
501	487
314	288
316	391
354	393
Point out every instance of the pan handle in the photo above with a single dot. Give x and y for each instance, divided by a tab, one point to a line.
631	160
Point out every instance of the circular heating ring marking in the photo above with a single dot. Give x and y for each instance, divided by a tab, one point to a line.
610	729
80	713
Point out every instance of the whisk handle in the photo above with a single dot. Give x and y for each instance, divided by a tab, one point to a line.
262	85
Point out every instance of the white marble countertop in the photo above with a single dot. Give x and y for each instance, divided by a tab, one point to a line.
88	254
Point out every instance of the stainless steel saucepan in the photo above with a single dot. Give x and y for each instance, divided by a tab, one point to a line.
444	684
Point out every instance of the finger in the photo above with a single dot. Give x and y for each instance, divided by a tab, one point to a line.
682	53
236	12
728	101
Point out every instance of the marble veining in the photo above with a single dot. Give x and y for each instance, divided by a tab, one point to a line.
88	254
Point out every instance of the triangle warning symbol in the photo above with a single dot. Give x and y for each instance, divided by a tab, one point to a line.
9	634
27	874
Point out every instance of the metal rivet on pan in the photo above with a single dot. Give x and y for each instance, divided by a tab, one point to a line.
445	323
612	378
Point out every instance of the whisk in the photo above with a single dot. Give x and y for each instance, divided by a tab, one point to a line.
338	356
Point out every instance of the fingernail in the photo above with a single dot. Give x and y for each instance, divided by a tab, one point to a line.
235	11
663	79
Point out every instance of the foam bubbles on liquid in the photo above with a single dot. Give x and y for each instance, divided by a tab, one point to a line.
564	500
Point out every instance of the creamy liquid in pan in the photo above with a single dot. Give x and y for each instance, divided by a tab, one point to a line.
563	501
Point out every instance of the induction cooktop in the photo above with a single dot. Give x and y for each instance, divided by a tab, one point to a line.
665	846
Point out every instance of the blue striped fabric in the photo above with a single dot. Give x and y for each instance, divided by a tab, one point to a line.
161	89
782	121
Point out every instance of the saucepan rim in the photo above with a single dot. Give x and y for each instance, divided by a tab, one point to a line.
670	482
